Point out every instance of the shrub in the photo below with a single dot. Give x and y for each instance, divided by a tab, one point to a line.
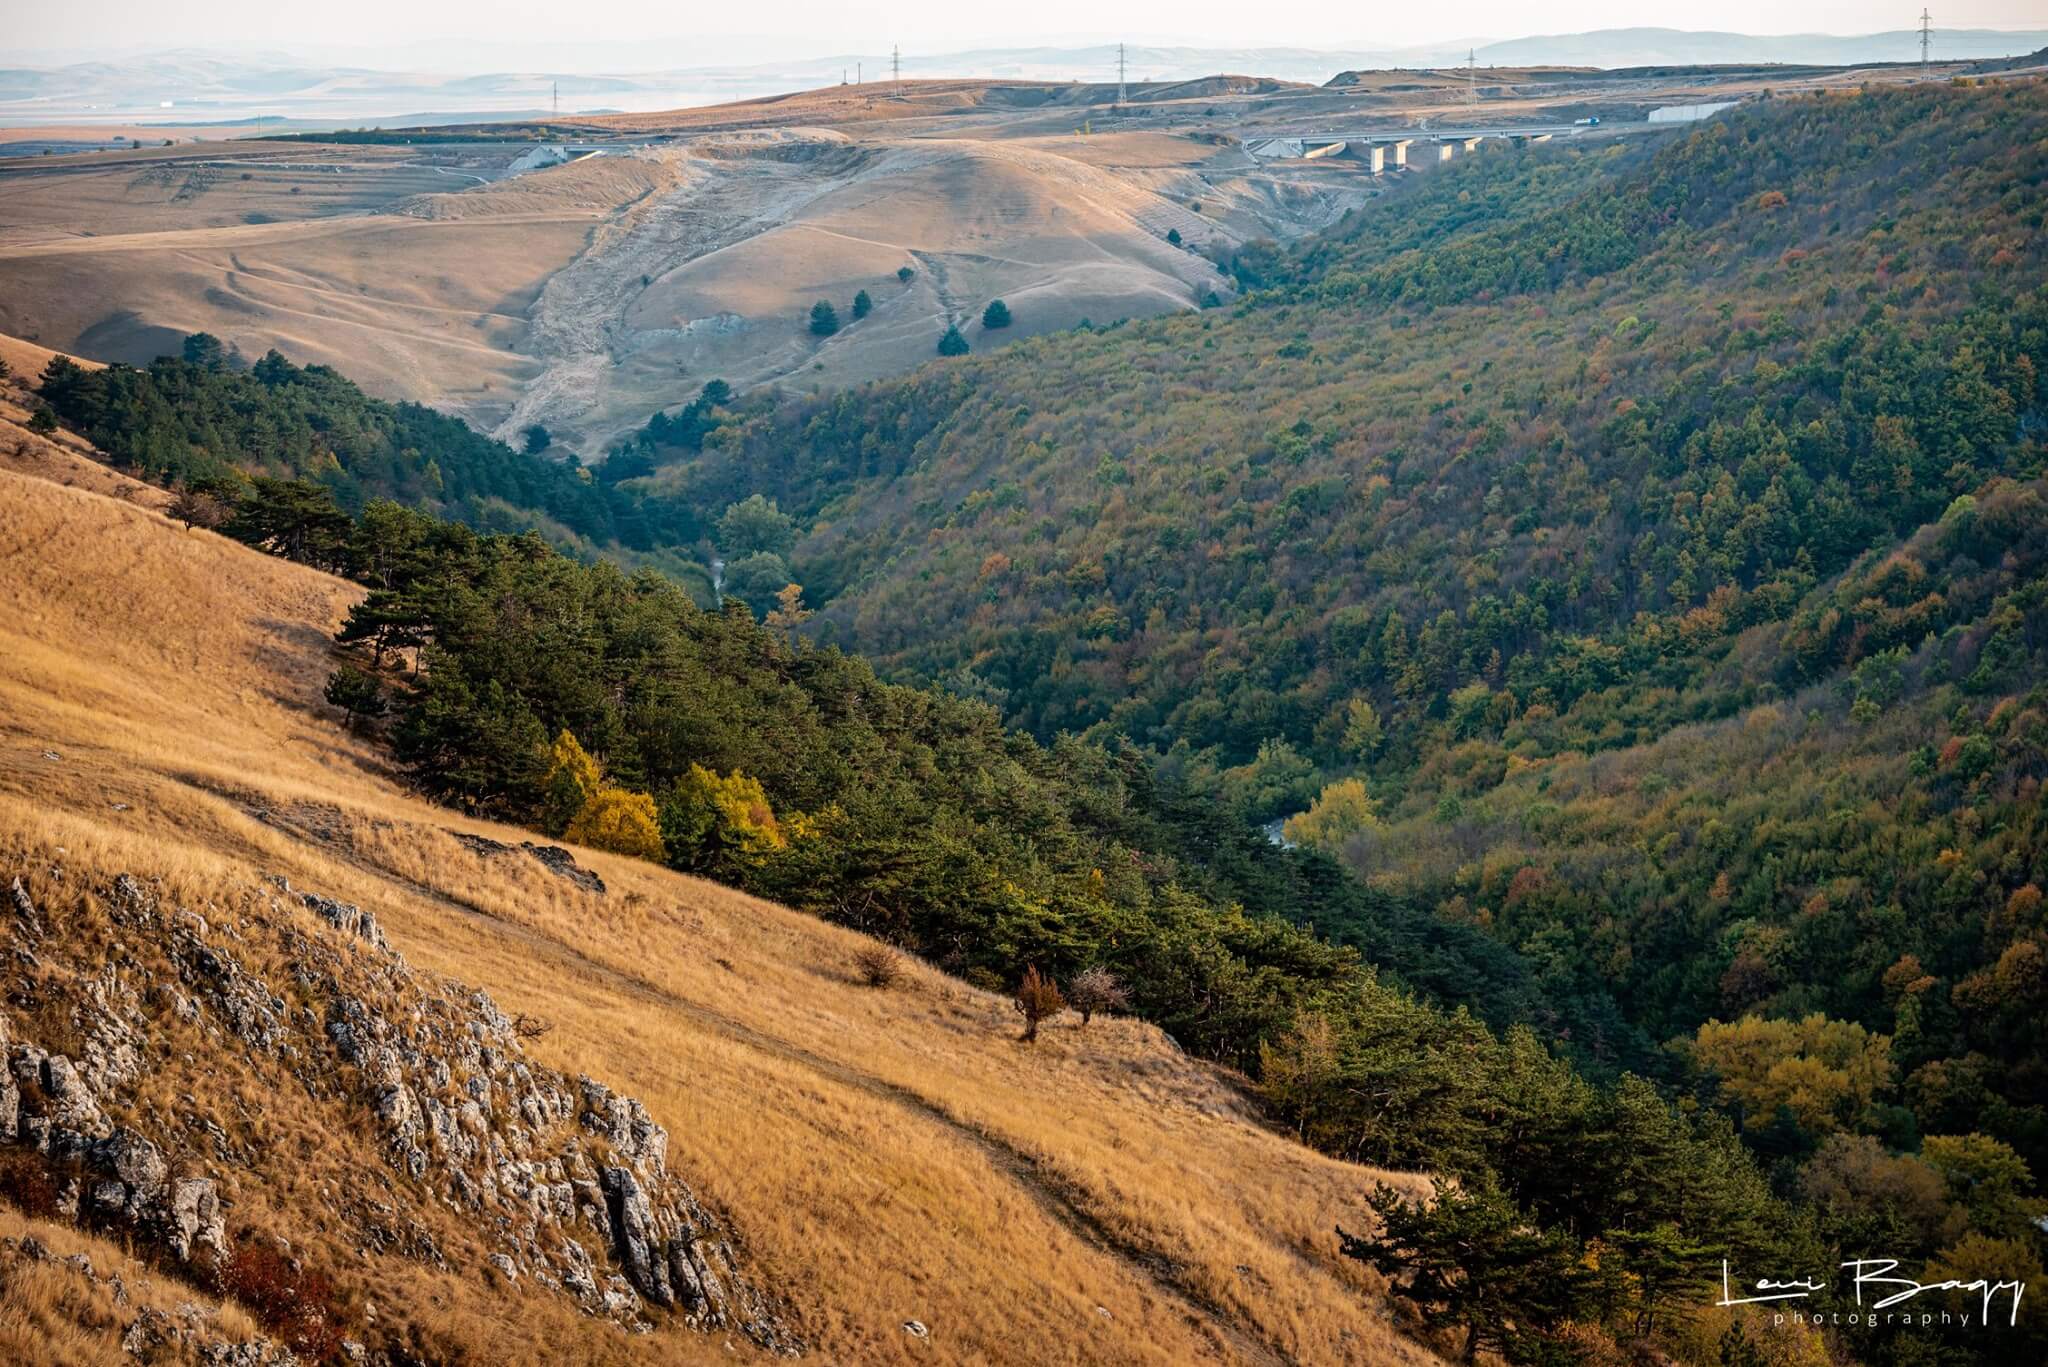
904	274
1038	999
43	421
293	1302
1173	237
198	508
538	439
620	821
573	778
996	315
29	1185
878	966
1097	990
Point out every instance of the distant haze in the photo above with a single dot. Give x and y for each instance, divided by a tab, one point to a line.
502	75
635	35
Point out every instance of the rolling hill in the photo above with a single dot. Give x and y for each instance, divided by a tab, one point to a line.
585	296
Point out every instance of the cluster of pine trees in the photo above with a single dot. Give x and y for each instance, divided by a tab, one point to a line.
202	419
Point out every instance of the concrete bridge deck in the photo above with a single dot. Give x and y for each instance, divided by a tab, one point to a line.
1530	130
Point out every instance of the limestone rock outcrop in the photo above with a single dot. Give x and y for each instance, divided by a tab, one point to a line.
566	1181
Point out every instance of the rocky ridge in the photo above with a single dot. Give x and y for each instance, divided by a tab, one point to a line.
558	1180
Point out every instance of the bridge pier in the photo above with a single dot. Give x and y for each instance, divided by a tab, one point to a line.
1379	159
1443	152
1472	145
1401	152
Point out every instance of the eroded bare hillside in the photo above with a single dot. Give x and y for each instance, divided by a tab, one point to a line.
587	294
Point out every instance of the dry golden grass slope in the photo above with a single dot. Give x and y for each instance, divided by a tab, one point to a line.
880	1156
68	1298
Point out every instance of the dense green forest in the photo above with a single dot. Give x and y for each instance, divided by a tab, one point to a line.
1627	561
1497	455
200	419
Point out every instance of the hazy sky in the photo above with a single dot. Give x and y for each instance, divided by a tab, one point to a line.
766	29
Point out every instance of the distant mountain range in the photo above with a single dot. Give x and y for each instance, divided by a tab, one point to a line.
1667	46
194	86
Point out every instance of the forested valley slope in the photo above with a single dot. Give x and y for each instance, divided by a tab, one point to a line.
1527	523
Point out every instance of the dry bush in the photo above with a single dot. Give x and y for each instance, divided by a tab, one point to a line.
878	966
1097	990
529	1026
293	1302
1038	999
28	1184
197	508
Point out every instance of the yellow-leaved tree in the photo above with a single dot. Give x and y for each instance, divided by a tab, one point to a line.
1826	1073
620	821
576	804
713	822
1339	812
573	779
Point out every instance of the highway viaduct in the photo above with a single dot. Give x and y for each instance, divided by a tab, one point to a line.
1382	147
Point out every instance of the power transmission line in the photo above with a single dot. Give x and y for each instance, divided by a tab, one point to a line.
896	67
1472	76
1121	96
1926	36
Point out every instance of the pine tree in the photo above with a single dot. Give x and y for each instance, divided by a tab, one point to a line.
824	319
356	692
953	344
996	315
721	825
862	306
1470	1259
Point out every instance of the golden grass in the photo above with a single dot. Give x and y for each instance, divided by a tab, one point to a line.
883	1156
54	1315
